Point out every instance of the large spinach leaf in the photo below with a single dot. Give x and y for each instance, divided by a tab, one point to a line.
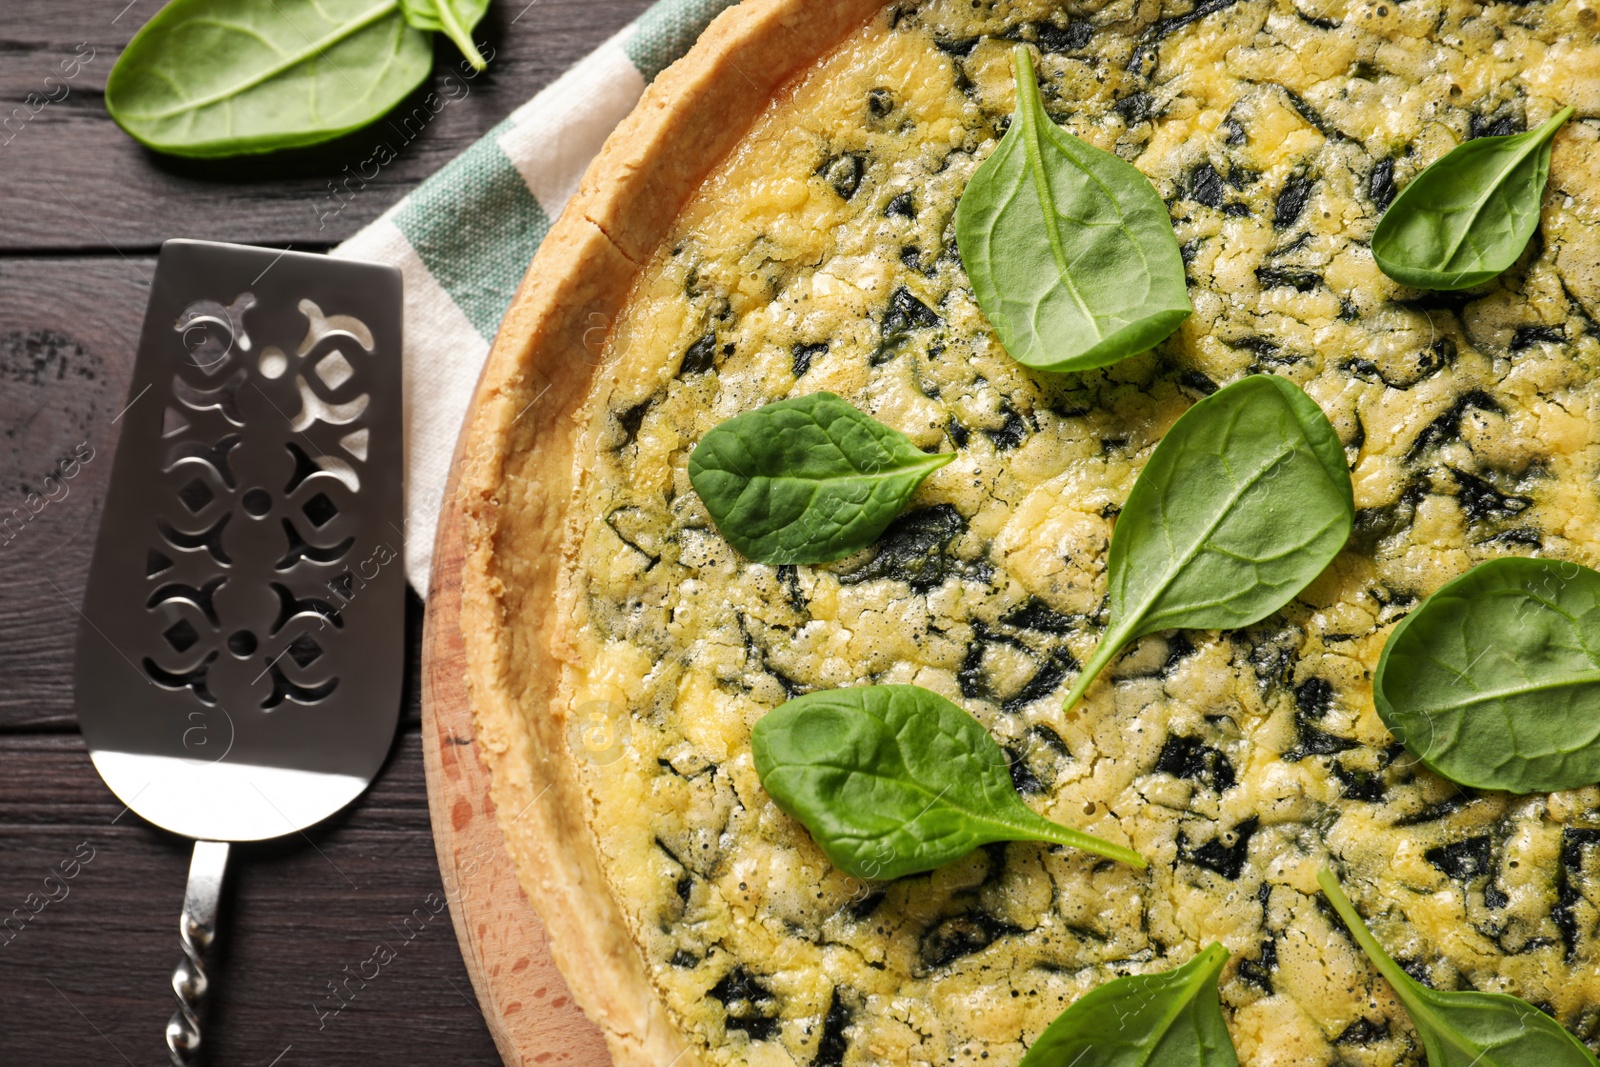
1070	251
806	480
1169	1019
1460	1028
231	77
1494	682
893	779
1469	215
1244	502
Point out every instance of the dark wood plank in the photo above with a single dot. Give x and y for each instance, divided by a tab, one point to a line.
68	329
74	181
335	946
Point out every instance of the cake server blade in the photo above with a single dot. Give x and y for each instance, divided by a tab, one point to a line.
239	652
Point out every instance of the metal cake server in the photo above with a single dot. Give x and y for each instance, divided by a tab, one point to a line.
239	655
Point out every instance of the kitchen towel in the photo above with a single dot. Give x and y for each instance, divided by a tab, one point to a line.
463	238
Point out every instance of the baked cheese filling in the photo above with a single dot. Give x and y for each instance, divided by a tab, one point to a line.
821	256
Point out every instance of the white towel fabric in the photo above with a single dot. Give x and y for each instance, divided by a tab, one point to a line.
463	238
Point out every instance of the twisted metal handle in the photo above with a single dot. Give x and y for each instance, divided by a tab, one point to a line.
197	926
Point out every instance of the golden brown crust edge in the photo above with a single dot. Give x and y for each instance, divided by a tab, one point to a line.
516	461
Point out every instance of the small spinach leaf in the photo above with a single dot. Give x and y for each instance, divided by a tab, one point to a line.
1244	502
1071	253
1169	1019
893	779
212	78
453	18
1469	215
1463	1028
1494	682
806	480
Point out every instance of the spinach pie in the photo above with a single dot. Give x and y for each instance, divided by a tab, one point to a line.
777	219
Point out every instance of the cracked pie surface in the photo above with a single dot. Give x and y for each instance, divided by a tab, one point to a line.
819	254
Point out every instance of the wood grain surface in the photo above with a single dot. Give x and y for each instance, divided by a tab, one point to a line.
85	958
524	999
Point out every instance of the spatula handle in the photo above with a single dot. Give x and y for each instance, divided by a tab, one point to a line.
196	928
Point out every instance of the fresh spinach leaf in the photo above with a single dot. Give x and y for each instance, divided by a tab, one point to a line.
1469	215
453	18
893	779
806	480
213	78
1244	502
1461	1028
1494	682
1071	253
1169	1019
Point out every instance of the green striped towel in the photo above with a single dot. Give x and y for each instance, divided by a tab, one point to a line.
464	237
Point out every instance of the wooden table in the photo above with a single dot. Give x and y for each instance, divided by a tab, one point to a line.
84	979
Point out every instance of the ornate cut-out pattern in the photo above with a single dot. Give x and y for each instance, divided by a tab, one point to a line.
291	607
212	456
195	678
202	598
210	540
261	456
314	408
211	332
223	397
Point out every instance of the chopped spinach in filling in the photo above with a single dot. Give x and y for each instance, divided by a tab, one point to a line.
820	255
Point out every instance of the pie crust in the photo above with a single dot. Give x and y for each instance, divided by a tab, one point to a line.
515	462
